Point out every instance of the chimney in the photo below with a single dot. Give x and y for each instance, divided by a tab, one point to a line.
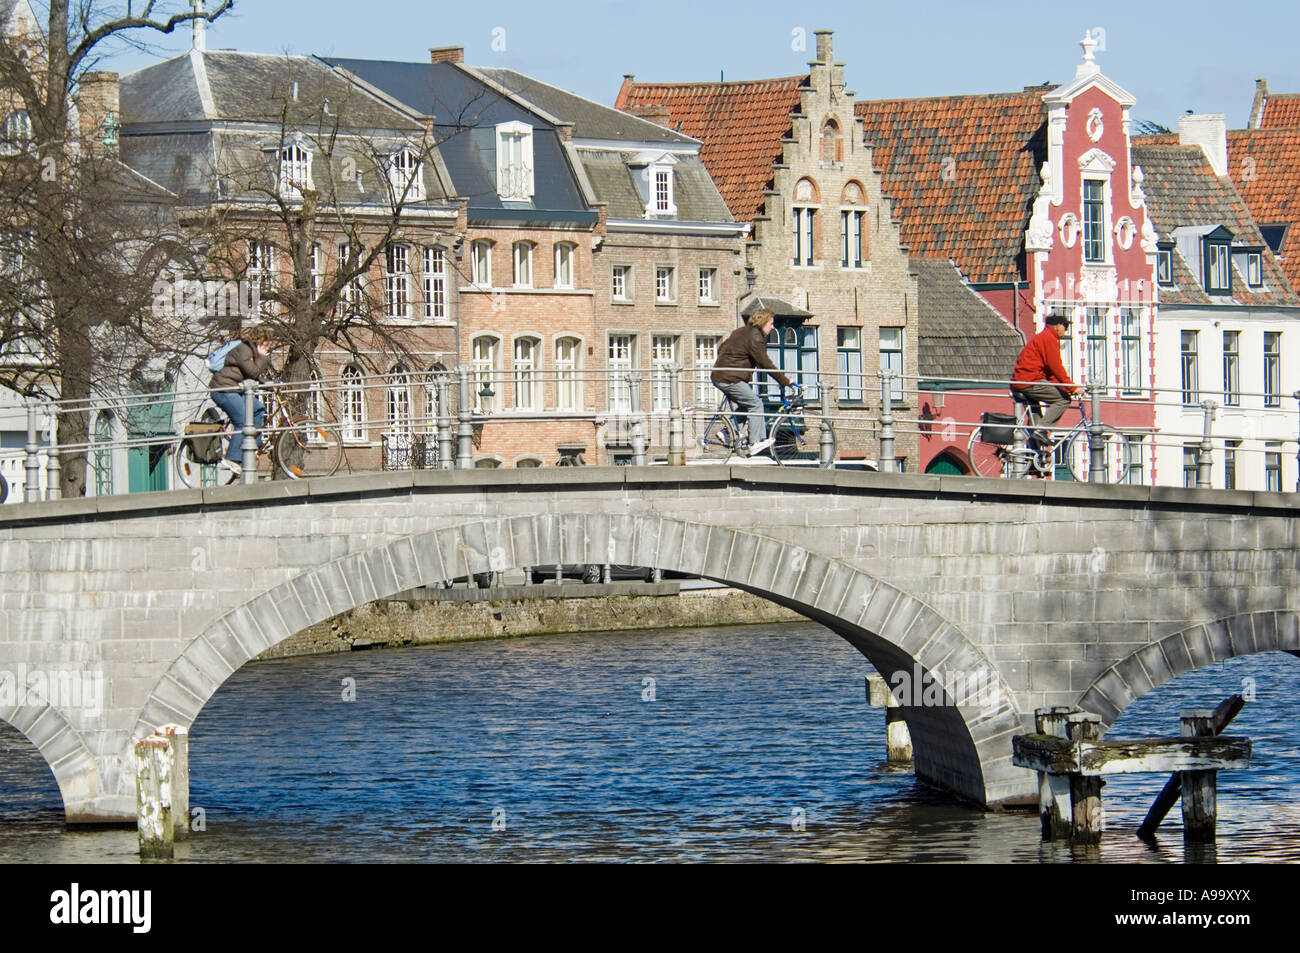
1210	132
99	111
565	130
824	45
1257	107
200	26
651	112
447	54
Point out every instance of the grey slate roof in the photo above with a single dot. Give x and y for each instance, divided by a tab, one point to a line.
206	126
778	307
465	112
1184	194
590	120
961	336
696	197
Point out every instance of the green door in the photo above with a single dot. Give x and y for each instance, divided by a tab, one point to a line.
944	466
146	470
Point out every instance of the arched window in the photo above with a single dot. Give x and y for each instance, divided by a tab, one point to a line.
804	217
832	142
568	362
481	261
485	366
436	373
435	283
487	463
353	397
523	260
397	281
527	390
397	416
528	463
854	236
564	264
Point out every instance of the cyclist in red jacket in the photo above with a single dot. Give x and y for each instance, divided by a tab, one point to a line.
1041	378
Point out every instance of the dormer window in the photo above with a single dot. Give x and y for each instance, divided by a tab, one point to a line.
1218	268
406	175
662	177
515	162
1165	267
653	175
1255	269
295	170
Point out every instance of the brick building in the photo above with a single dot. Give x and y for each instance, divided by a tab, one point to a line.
825	252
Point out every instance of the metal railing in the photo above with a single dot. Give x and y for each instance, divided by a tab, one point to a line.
439	419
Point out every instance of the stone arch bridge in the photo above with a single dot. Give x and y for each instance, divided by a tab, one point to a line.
1039	593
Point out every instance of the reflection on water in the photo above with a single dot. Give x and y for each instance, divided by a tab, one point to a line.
746	743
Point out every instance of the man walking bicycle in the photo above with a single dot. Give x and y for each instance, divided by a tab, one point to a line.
743	351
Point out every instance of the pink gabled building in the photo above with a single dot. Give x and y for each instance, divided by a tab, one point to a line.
1034	198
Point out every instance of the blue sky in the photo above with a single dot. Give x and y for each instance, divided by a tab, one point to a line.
1202	56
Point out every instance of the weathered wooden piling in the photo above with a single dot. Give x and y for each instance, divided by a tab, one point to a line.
153	787
1200	796
1053	789
898	740
1087	818
179	738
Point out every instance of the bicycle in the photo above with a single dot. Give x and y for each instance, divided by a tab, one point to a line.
298	447
1072	447
723	435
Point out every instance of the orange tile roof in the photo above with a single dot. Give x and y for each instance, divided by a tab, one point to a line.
962	172
741	126
1265	167
1281	111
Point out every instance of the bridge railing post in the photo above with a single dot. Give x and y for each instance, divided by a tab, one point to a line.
53	465
32	487
248	459
637	435
676	439
1096	439
444	424
464	425
1205	456
888	462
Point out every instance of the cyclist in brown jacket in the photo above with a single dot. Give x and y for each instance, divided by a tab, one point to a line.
743	351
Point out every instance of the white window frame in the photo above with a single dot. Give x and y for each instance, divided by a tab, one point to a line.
397	281
262	273
708	286
665	284
514	162
892	359
522	255
350	294
406	176
295	170
1254	269
315	271
434	275
352	405
848	360
660	202
527	390
397	411
481	262
565	257
485	366
621	356
568	378
706	355
620	274
663	357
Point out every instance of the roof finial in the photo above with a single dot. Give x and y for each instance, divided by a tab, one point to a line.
1089	64
200	24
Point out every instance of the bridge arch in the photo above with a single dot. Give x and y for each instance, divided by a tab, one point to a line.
1199	645
65	751
964	748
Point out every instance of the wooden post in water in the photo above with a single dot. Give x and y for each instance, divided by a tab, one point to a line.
1200	802
898	740
153	793
1085	790
1053	789
179	738
1228	709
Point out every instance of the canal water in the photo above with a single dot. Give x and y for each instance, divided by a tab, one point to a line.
750	743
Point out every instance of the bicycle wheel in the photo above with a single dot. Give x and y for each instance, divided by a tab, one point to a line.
787	444
308	448
1078	455
986	459
194	474
718	441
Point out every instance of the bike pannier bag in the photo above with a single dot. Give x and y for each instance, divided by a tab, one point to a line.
205	441
998	428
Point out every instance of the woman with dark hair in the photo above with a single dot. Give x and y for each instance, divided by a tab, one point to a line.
250	359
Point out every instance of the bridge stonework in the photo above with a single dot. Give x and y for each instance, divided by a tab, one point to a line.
1041	593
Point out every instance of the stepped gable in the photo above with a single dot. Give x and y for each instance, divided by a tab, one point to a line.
963	172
